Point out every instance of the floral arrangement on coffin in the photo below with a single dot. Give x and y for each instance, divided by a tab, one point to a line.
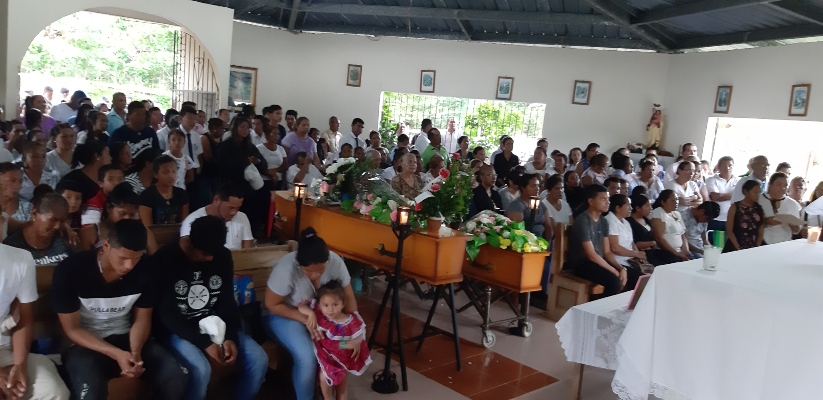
449	195
341	177
377	199
489	227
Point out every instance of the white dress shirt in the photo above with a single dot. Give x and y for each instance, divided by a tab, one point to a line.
196	146
353	140
716	184
257	139
449	141
421	143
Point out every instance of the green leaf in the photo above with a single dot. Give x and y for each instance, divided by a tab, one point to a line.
347	205
519	225
493	240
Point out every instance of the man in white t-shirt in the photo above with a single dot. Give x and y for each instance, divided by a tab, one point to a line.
759	167
226	205
421	140
688	150
302	171
721	187
27	376
64	111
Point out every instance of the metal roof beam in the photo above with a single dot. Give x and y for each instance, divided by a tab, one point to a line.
464	26
551	40
449	13
295	9
791	32
663	14
803	11
623	18
379	31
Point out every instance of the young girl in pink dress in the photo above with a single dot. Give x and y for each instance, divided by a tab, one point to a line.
335	354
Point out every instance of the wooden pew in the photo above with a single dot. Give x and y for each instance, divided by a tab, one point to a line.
566	289
165	234
256	262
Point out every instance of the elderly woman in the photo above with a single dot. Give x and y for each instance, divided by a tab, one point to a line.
668	228
774	202
34	170
293	282
436	163
58	161
407	182
519	209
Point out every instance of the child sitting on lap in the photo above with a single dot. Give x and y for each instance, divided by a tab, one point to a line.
335	354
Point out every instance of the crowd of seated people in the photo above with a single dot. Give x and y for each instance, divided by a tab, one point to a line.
80	187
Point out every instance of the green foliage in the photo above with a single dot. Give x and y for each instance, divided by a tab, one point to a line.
107	52
452	199
489	122
387	127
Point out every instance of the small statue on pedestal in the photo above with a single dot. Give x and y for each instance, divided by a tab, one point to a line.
654	130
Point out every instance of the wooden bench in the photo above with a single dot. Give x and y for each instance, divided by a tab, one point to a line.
256	262
165	234
566	289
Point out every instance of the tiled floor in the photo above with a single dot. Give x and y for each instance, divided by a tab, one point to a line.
430	372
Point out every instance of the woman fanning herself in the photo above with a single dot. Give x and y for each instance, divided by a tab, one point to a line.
121	203
669	229
746	222
775	203
293	281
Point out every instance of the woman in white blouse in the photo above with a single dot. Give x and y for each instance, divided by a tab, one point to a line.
649	180
540	164
274	156
559	210
775	202
58	161
668	227
621	240
686	190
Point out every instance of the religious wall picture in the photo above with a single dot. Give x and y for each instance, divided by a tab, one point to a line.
242	85
354	75
723	100
505	86
427	81
582	91
799	102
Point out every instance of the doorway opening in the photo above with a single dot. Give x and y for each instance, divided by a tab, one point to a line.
798	143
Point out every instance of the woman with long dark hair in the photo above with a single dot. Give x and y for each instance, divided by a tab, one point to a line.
669	229
81	120
95	128
91	156
234	156
38	103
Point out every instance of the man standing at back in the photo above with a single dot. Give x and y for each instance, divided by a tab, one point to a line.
353	138
135	132
274	114
759	168
117	115
421	140
332	136
104	299
64	111
196	285
686	151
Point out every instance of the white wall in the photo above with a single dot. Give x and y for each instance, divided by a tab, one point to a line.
211	25
762	80
307	72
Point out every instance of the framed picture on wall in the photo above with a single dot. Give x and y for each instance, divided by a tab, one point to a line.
799	102
505	86
427	81
354	75
723	100
582	91
243	85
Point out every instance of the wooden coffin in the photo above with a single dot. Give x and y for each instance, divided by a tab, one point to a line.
434	260
507	269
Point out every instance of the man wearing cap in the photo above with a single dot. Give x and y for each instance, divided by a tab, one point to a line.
64	111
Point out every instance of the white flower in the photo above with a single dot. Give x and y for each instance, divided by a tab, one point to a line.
364	209
487	221
471	225
377	200
392	205
506	234
482	236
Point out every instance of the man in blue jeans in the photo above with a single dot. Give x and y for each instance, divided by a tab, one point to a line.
197	282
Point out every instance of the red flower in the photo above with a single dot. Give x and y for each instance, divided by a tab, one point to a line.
418	207
444	173
435	188
458	191
456	156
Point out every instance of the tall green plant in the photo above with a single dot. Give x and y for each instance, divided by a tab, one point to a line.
387	127
489	122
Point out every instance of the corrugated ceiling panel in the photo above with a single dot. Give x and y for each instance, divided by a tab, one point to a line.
732	20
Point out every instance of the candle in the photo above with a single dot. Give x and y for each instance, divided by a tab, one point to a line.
403	215
813	234
534	202
299	190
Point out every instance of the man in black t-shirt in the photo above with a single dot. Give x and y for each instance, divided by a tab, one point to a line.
197	284
104	300
135	132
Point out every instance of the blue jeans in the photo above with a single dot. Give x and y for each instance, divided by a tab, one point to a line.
295	338
252	364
